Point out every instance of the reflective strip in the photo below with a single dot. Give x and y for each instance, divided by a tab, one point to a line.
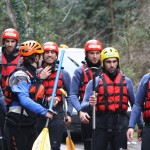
17	109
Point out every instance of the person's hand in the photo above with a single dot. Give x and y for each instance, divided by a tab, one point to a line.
93	100
67	120
49	115
140	134
56	100
130	134
45	72
84	117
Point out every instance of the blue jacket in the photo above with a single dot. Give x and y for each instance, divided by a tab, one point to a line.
2	102
67	81
139	100
20	84
74	88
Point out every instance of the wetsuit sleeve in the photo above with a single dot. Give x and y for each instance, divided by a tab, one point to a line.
88	92
139	101
74	88
2	102
20	85
130	91
66	82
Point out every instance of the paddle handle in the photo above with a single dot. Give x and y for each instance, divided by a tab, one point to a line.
93	108
65	108
56	80
93	115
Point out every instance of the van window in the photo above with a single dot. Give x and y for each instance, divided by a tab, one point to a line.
73	58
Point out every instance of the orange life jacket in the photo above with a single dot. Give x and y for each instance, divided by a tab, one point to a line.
36	91
48	83
7	68
112	96
147	103
87	76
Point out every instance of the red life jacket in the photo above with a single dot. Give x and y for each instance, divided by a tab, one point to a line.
112	96
36	91
49	85
7	68
87	76
147	103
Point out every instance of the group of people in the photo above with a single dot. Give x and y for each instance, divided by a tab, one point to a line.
28	75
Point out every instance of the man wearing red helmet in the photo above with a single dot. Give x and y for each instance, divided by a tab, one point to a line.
8	57
9	53
56	125
82	76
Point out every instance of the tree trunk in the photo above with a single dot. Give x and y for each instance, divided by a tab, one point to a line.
10	13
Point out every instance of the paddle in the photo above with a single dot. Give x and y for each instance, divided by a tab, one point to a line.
43	141
94	69
69	143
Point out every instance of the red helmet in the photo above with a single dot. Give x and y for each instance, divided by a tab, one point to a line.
50	46
30	47
10	34
93	45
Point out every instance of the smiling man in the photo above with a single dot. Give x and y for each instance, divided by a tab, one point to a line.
56	126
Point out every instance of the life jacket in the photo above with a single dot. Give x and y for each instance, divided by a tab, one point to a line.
48	83
7	68
36	91
87	76
112	96
146	113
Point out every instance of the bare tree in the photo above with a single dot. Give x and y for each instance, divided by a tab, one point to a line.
10	13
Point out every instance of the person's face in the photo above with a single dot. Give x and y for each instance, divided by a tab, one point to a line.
93	56
10	45
40	61
50	57
111	64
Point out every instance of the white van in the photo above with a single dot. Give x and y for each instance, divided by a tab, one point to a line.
73	58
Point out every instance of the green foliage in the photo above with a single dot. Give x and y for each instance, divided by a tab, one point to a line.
123	24
18	8
5	22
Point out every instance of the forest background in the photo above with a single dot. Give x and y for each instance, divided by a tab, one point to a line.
122	24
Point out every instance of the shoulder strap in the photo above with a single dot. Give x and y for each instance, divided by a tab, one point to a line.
0	55
0	64
87	71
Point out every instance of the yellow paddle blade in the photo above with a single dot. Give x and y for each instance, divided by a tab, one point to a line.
69	144
63	46
63	91
43	141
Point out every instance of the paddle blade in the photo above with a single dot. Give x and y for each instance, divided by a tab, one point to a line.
43	141
69	144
